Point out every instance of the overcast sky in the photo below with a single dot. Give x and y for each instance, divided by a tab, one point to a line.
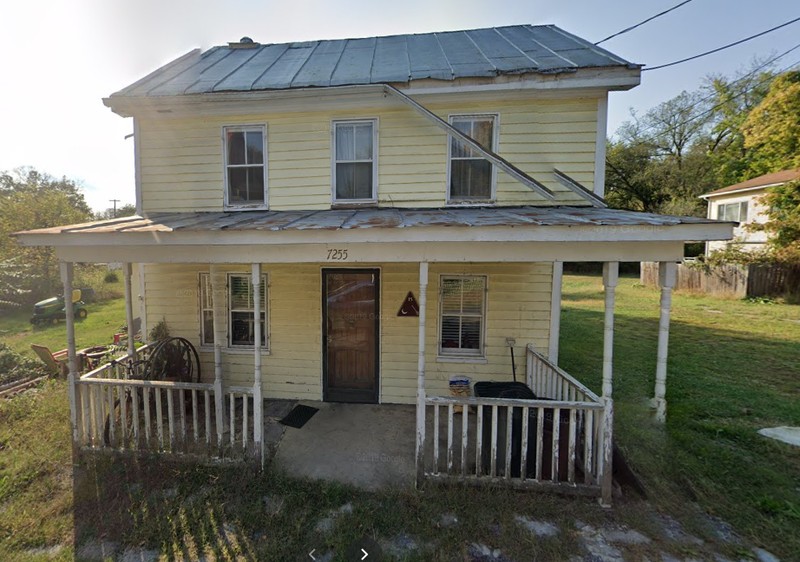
62	57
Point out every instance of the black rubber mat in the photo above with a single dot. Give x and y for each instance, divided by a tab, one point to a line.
299	416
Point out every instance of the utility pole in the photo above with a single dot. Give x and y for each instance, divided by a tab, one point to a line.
115	201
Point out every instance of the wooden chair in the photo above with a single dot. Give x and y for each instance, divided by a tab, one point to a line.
56	362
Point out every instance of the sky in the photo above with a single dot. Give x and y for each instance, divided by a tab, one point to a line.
63	56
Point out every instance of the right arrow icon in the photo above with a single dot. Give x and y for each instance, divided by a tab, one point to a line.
365	554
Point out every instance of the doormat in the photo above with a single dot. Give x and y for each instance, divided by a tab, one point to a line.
299	416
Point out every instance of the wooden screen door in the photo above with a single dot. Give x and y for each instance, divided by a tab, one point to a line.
350	328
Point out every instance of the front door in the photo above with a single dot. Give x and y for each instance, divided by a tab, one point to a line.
350	328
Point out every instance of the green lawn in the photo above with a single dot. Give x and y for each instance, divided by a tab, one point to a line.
733	369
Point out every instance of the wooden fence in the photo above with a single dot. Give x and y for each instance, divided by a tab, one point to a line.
754	280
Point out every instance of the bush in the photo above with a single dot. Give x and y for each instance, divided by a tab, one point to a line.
111	277
14	366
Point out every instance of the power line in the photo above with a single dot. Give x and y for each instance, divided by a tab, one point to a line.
651	18
718	49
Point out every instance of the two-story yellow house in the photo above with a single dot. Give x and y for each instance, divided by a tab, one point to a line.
359	220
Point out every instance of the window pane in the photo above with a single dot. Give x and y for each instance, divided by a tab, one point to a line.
470	179
482	132
240	295
345	142
470	333
237	185
743	211
255	184
354	181
451	332
472	300
364	141
242	332
451	296
208	327
255	147
236	148
458	149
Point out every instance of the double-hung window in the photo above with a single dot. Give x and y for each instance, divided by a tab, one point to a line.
355	170
241	310
471	177
732	212
245	167
462	315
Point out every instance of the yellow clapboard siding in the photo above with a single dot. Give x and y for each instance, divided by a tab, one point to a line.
184	156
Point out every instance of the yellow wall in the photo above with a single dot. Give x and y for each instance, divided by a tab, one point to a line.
518	305
182	161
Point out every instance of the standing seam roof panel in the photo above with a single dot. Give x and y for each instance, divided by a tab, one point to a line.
427	59
280	75
502	54
246	75
464	57
319	67
390	63
356	56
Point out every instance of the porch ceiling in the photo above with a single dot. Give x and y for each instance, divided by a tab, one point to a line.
545	233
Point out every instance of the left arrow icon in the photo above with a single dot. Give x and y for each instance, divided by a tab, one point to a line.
311	554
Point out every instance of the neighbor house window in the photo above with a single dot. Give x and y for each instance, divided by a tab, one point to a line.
462	315
241	324
732	212
206	311
471	177
355	173
245	167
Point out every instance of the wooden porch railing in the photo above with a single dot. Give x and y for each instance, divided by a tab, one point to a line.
117	412
561	439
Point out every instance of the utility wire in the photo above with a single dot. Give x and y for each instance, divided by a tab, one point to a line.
631	28
718	49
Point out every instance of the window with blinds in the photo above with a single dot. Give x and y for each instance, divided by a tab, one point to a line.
241	309
462	315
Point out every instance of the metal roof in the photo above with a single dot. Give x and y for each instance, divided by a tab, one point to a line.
346	219
489	52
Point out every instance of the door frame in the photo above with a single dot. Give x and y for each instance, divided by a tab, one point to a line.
375	398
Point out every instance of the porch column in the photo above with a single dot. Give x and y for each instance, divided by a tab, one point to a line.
217	279
420	450
258	420
610	279
555	312
126	273
667	272
66	280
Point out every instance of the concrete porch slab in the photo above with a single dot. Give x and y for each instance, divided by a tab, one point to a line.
366	445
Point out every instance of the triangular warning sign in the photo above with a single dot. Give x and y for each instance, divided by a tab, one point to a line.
409	306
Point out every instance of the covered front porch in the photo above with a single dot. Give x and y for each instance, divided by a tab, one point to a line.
560	437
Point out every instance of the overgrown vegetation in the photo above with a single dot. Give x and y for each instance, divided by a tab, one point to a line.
14	366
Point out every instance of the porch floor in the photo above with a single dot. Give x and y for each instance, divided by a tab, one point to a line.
366	445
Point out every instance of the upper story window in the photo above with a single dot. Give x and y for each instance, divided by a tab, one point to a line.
245	167
355	170
470	176
732	212
462	315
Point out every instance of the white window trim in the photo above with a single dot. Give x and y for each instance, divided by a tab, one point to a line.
495	139
228	206
208	347
374	198
452	355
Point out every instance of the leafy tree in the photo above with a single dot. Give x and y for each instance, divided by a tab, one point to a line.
30	199
783	221
772	129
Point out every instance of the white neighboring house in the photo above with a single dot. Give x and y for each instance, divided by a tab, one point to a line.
741	203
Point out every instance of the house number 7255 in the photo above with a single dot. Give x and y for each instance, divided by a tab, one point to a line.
337	254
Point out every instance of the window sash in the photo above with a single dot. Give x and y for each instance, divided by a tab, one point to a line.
245	156
464	312
354	158
470	176
243	312
732	211
206	311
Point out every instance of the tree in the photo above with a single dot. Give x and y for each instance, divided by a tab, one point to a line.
783	221
30	199
772	129
126	210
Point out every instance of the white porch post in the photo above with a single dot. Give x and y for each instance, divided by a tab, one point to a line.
217	279
126	273
258	421
555	311
420	449
667	272
610	279
66	280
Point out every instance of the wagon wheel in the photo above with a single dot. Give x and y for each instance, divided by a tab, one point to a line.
173	359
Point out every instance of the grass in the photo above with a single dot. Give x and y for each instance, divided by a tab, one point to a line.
733	369
104	320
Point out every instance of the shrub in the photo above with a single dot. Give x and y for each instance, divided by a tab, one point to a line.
111	277
160	331
14	366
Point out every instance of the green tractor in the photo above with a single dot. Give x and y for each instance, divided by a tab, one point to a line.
53	309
